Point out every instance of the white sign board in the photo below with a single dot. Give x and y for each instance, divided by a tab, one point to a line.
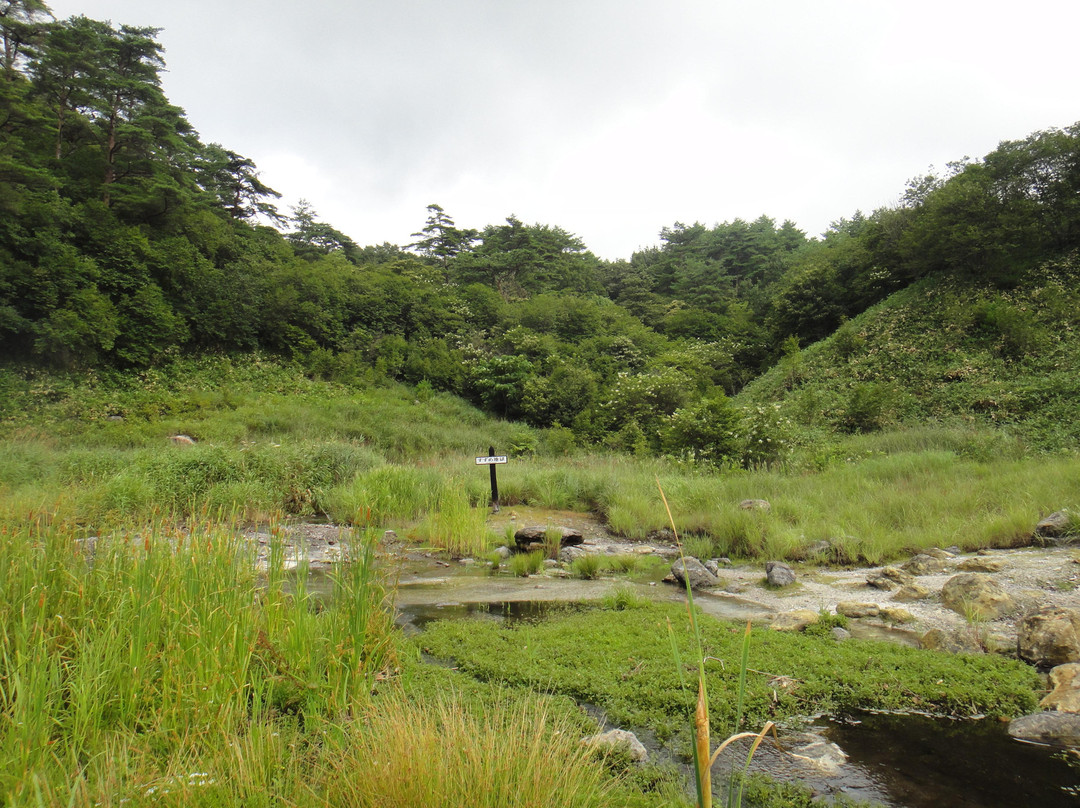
490	461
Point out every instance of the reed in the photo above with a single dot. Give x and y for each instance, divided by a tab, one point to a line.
703	757
155	644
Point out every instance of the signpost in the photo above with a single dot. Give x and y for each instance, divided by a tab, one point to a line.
492	460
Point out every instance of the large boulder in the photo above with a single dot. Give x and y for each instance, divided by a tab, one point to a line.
526	537
977	596
1052	727
691	570
779	574
1049	636
1065	697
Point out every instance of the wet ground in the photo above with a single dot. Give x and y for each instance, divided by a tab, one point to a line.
902	761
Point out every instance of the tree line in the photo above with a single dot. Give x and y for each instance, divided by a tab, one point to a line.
124	240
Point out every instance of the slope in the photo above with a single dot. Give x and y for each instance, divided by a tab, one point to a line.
946	352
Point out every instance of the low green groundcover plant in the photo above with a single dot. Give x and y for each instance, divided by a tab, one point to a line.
621	661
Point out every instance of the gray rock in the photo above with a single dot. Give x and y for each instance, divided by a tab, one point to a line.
1054	727
1057	525
889	578
779	573
664	534
911	592
795	620
953	642
568	555
535	534
976	596
713	567
620	739
840	634
817	550
693	571
854	610
896	614
1049	636
938	553
503	552
981	564
924	564
755	505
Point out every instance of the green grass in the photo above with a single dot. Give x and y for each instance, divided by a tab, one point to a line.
621	662
273	443
146	644
587	567
525	564
158	667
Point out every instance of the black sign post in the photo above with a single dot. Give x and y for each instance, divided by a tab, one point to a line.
492	460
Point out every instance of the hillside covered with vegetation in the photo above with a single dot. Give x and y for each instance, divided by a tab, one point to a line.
126	241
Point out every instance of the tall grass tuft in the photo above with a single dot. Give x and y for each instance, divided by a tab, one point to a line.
525	564
587	566
153	646
702	755
454	525
449	753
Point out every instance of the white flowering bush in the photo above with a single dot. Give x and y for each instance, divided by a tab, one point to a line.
767	436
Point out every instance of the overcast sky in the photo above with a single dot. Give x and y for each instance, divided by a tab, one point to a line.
609	118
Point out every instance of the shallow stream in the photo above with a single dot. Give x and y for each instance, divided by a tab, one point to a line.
906	761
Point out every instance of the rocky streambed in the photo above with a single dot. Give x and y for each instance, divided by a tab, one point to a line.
943	599
1022	602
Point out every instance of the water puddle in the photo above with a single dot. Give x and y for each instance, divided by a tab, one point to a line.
921	762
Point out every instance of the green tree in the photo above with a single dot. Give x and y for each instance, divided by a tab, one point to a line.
499	383
312	238
20	28
440	239
233	181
